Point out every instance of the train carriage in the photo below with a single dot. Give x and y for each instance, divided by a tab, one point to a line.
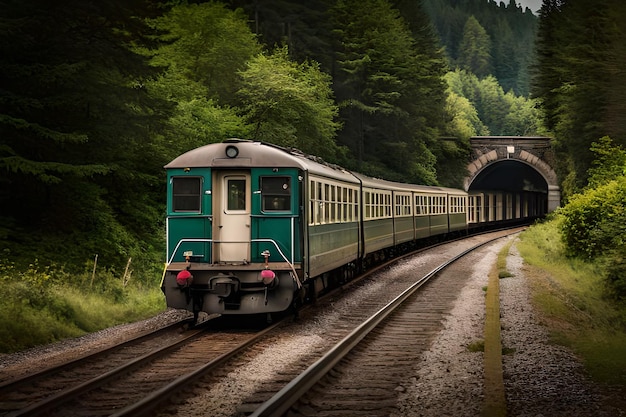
457	210
234	231
332	232
248	223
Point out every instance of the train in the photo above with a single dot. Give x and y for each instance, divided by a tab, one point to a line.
254	228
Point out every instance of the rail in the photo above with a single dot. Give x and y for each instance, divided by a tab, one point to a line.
282	401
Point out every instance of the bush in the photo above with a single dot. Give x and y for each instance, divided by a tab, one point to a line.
594	228
594	221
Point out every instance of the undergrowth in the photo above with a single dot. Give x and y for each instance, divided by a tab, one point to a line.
572	295
42	305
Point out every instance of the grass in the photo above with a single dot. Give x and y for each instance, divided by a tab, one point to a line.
571	296
501	262
41	306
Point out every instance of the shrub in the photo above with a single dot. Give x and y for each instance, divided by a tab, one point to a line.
594	221
594	228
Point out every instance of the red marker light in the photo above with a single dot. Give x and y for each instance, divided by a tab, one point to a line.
267	275
184	278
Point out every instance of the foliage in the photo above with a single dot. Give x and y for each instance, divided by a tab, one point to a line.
500	37
474	49
497	112
594	219
609	162
580	81
205	43
301	26
389	90
53	304
199	49
571	293
594	227
74	120
290	104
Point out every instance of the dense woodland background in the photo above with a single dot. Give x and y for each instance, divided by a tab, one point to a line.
95	97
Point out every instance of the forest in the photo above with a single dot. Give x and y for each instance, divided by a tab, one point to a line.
96	97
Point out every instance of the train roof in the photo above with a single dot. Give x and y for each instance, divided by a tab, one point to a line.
261	154
401	186
257	154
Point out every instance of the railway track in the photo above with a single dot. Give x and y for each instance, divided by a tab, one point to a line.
358	374
16	392
226	373
116	378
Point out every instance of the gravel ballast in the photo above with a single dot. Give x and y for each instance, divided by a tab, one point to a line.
541	379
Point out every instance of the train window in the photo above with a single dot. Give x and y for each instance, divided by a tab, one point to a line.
332	203
421	206
236	194
312	202
320	204
403	205
376	205
186	194
276	193
387	205
459	204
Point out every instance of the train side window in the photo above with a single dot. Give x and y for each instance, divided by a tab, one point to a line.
276	193
186	194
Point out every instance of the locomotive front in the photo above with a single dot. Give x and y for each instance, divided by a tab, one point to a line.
234	232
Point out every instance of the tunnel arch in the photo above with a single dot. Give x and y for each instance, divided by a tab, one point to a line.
518	170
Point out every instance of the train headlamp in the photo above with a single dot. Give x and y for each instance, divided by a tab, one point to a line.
232	151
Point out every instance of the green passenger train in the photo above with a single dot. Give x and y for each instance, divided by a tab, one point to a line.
253	228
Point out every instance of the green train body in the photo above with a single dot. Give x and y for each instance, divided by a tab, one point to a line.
254	228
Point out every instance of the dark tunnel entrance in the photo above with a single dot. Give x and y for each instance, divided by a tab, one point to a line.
509	189
510	175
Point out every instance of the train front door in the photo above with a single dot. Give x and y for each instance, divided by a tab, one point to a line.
231	217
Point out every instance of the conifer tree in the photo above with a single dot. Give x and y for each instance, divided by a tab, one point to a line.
76	147
386	86
578	80
474	49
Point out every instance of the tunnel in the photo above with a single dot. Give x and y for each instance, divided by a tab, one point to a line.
509	175
509	189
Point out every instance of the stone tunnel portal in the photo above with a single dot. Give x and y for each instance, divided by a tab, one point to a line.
509	189
515	167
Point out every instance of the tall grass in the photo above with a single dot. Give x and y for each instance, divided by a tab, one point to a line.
572	296
43	305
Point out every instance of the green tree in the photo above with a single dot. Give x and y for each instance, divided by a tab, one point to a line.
464	121
580	82
474	49
501	114
511	32
609	162
75	126
198	49
290	104
389	89
205	43
302	26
